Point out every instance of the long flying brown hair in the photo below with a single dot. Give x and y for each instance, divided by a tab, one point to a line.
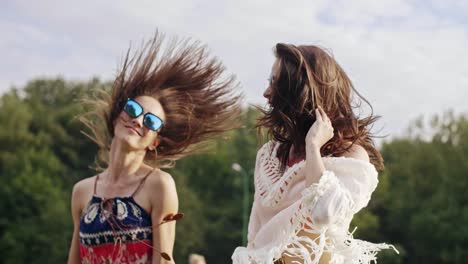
309	77
199	98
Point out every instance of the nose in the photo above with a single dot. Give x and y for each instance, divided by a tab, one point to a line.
138	122
267	93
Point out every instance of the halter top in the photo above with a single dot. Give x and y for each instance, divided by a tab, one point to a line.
115	230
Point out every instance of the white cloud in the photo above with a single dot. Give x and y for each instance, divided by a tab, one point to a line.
407	60
360	12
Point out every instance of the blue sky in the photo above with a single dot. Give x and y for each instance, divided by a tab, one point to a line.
408	58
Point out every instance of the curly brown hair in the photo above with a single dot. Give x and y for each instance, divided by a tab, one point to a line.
309	77
199	98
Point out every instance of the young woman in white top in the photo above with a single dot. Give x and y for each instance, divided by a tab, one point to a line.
319	169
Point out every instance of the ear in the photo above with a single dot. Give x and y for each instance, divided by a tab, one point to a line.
155	144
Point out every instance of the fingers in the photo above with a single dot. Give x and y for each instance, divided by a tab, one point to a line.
322	129
326	119
318	114
323	114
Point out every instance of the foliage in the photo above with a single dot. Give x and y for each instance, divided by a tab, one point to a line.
420	204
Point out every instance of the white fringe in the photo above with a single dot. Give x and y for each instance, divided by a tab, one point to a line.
330	233
342	248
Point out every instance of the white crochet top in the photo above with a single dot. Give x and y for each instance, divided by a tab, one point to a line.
283	205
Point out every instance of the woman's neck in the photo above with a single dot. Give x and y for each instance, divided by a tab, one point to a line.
123	162
295	156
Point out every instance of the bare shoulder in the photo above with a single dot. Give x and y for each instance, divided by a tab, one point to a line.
84	183
160	180
82	193
160	186
357	152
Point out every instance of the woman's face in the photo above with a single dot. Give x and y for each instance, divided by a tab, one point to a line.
273	77
132	132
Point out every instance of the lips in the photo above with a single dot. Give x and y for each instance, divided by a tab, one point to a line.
133	129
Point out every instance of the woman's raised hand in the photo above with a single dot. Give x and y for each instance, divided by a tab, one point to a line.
320	132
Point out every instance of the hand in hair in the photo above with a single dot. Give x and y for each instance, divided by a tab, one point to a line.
320	132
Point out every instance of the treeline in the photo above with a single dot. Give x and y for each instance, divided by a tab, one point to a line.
420	205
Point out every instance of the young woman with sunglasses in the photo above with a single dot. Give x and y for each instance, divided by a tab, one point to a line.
318	170
163	103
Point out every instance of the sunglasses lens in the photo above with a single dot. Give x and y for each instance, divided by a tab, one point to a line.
133	109
152	122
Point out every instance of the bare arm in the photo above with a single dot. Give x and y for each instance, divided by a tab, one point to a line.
320	132
164	202
74	253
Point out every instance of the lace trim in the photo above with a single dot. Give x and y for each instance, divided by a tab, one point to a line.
271	184
343	250
118	233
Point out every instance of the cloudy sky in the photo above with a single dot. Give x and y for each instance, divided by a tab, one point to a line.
408	58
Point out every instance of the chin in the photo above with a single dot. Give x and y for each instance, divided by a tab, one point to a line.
127	139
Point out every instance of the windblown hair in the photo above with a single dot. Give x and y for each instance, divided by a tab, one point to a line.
309	77
199	99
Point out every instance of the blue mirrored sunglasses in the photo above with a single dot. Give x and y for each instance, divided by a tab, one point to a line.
150	120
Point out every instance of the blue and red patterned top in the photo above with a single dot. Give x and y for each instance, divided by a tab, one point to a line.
115	230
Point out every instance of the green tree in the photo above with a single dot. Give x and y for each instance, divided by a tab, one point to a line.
425	208
41	156
420	204
220	191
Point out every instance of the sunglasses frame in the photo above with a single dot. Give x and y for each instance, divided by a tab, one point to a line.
144	116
